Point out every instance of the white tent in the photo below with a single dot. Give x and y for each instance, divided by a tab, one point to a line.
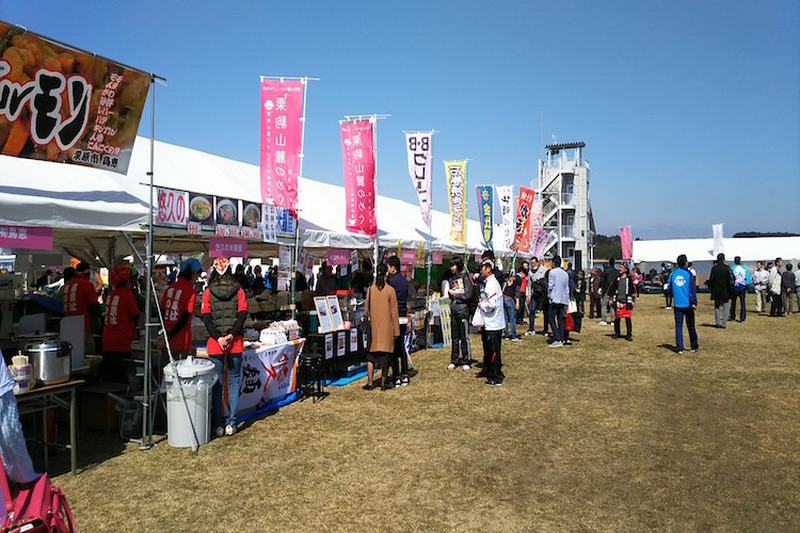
86	206
696	250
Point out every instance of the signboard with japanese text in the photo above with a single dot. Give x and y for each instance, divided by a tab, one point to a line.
251	221
505	193
539	243
456	175
285	222
219	247
522	222
359	175
172	208
485	204
226	216
408	257
436	258
269	219
268	374
419	147
26	237
201	213
338	256
65	105
281	139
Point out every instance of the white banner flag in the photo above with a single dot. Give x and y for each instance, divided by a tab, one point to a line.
717	240
419	147
536	218
506	195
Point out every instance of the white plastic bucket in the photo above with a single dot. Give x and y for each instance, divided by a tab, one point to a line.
195	379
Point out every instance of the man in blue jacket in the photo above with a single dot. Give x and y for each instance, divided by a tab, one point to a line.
682	287
741	280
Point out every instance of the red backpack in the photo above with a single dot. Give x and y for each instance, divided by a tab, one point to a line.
36	506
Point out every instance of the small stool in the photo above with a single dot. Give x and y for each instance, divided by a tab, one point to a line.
311	380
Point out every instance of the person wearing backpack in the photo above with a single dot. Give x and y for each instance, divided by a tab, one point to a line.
741	280
721	284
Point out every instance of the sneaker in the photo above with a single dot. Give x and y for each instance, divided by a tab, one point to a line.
516	339
667	308
451	366
398	382
493	383
693	350
230	430
556	344
602	323
629	338
680	352
465	368
404	383
368	387
219	431
530	332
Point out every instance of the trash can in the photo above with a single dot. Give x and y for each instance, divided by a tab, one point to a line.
196	377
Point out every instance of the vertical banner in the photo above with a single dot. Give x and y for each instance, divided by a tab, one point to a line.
419	147
540	242
62	104
485	205
536	219
718	249
281	134
359	177
456	172
506	194
522	222
625	241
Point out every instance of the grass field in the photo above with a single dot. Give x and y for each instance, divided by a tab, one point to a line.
602	435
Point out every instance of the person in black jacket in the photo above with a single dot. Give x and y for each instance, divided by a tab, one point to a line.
721	284
622	293
460	297
607	280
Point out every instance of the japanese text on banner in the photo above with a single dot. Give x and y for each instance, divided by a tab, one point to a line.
359	175
456	174
485	203
522	226
506	195
419	147
281	135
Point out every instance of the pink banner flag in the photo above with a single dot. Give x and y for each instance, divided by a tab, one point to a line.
625	241
281	134
359	177
522	229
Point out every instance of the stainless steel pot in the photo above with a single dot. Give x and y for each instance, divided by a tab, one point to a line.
51	362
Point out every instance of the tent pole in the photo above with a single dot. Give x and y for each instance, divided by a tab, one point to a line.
147	439
293	266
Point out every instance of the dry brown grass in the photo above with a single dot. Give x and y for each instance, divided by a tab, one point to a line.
602	435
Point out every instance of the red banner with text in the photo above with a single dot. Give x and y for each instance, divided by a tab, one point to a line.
522	229
281	139
359	177
66	105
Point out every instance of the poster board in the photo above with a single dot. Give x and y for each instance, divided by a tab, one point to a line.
323	314
335	312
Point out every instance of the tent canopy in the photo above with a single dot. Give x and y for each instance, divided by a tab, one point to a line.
88	207
749	249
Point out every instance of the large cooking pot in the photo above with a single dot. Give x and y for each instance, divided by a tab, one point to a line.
51	362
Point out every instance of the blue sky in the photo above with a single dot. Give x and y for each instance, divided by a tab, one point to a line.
690	110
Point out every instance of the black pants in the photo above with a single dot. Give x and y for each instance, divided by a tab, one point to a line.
594	307
776	305
628	327
492	361
459	353
668	296
544	305
399	358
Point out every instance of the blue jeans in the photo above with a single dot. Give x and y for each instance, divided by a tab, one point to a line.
680	314
532	314
557	312
511	317
234	375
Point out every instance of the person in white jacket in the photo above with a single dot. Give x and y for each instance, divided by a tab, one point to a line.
490	307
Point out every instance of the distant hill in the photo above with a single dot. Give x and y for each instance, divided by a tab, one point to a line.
753	234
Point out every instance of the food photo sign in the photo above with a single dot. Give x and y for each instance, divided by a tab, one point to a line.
201	209
251	219
226	214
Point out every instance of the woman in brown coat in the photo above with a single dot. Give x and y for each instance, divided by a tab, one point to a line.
381	308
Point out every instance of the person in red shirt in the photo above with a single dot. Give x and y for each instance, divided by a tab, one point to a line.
224	310
80	298
177	305
119	325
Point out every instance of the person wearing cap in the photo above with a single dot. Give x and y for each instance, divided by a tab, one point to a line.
177	306
224	310
119	325
80	299
490	306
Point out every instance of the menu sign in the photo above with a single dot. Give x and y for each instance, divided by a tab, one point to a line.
201	209
227	217
251	220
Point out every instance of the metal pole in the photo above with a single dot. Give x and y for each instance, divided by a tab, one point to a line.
430	227
146	435
304	81
374	120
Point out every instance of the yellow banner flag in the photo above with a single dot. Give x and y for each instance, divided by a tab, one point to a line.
456	172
